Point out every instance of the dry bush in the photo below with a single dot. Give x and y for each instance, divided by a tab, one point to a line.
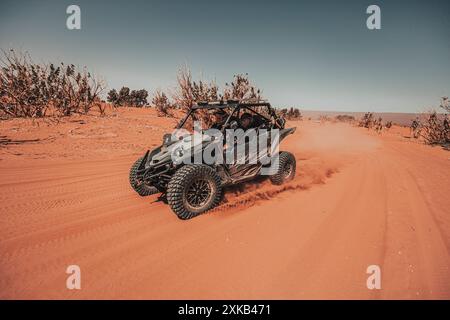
282	112
445	104
378	125
324	118
240	89
367	120
345	118
189	91
30	90
127	98
436	129
415	128
162	104
102	106
291	113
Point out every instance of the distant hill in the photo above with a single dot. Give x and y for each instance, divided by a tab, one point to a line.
397	118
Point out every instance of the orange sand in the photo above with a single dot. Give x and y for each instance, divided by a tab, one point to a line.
359	199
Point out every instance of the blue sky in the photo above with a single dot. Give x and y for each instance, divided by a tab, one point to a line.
316	55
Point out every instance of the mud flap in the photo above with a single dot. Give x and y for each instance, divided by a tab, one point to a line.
285	132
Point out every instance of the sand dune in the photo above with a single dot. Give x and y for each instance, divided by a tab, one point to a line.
358	199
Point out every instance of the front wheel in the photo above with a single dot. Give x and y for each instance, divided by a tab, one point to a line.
192	190
286	168
137	182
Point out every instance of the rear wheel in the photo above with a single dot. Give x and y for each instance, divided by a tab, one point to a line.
137	182
193	190
286	168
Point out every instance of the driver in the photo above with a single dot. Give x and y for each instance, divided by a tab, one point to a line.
246	120
218	119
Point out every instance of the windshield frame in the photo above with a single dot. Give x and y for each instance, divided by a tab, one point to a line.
192	111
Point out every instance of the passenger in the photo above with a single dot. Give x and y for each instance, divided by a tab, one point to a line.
258	122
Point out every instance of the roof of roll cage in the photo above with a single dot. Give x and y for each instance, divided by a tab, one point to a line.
228	104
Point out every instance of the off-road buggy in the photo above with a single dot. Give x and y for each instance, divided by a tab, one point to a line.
193	188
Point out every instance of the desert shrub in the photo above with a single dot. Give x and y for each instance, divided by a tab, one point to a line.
415	128
445	104
345	118
127	98
294	113
124	95
113	97
102	106
241	88
291	113
138	98
162	104
435	129
189	91
378	125
28	89
367	120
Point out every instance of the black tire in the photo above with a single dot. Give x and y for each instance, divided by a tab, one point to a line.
286	169
183	193
136	182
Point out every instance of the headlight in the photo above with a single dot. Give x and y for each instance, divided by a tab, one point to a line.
167	139
179	152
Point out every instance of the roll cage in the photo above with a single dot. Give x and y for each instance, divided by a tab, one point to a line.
236	107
